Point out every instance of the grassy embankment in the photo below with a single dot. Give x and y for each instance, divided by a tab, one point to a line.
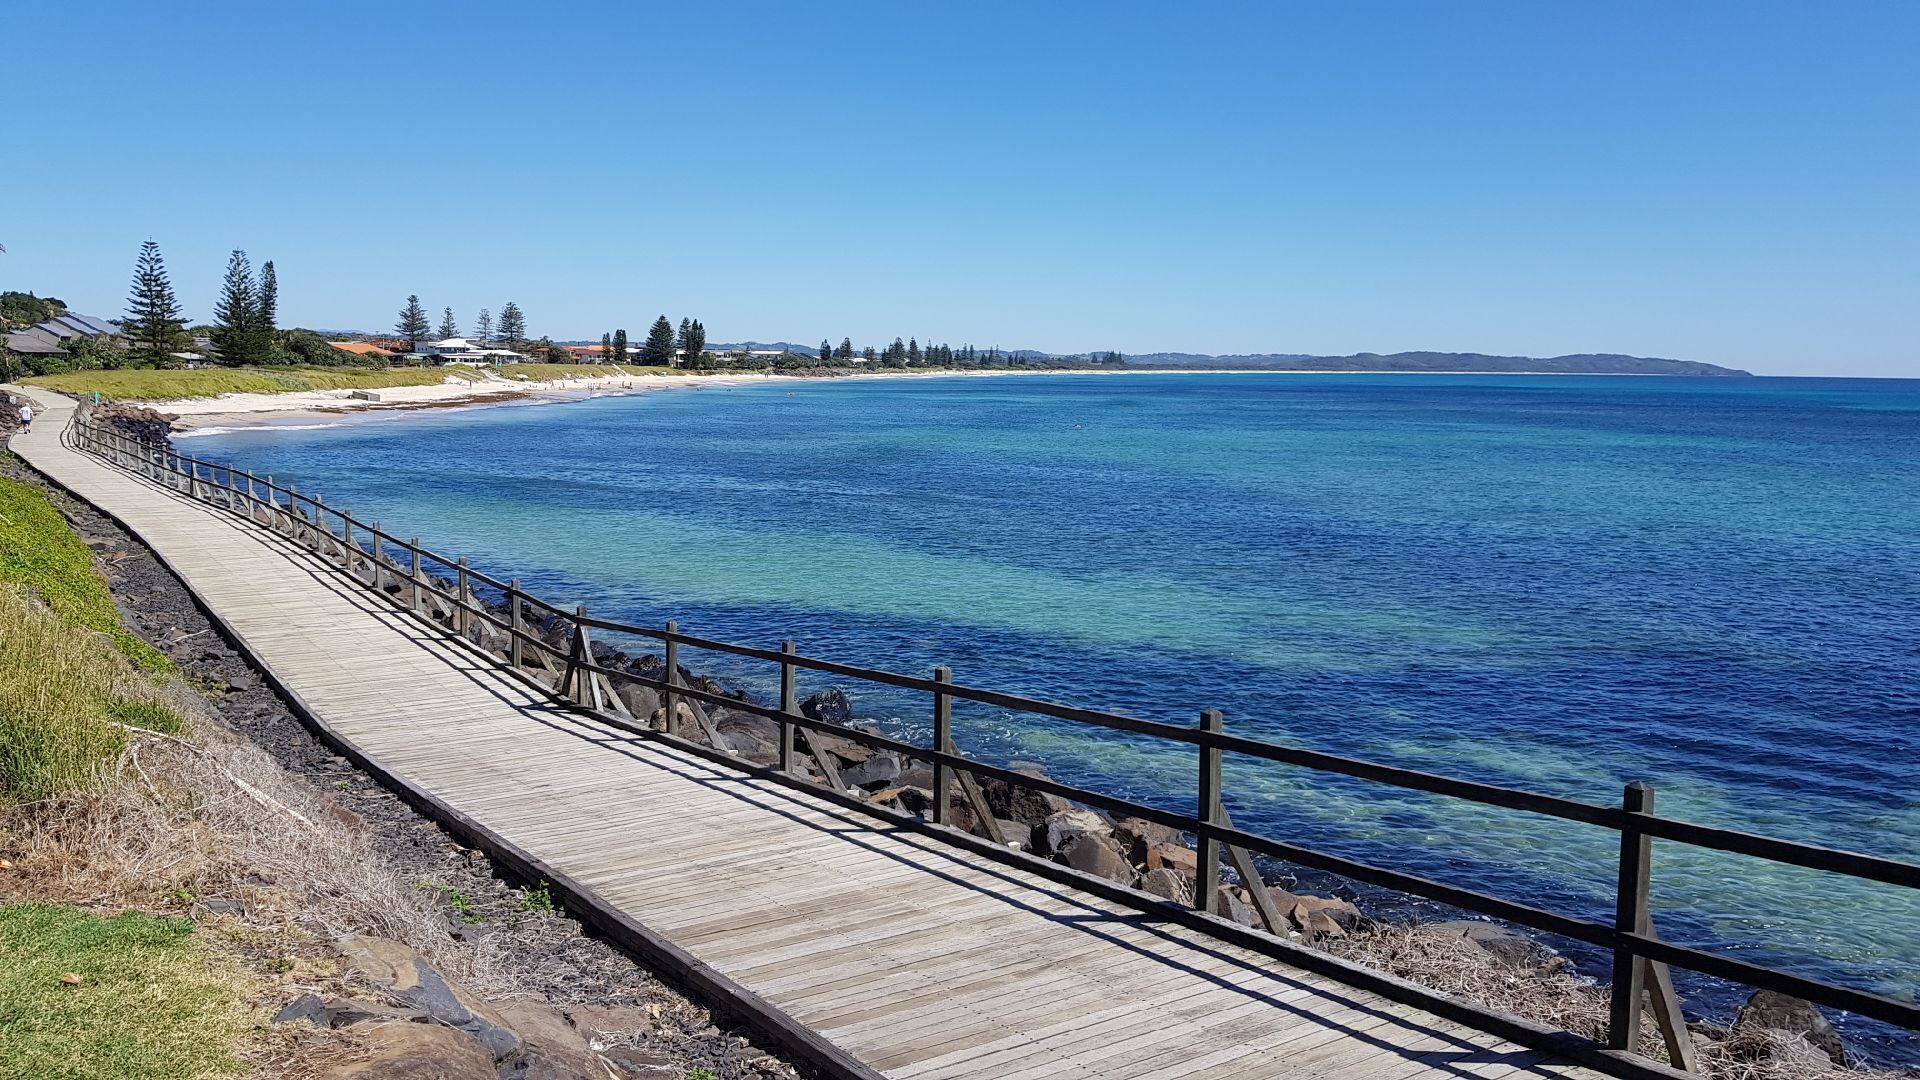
83	994
176	384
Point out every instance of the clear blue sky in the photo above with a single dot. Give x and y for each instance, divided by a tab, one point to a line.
1737	183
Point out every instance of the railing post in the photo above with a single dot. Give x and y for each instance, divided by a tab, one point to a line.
942	739
413	575
346	542
321	533
1206	884
514	648
789	704
379	560
460	616
668	699
1631	916
585	691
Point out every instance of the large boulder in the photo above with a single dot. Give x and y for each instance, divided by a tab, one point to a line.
641	701
1137	836
880	770
1320	915
407	977
749	735
1097	854
1509	946
1178	857
1018	802
1231	904
829	706
1051	838
1767	1009
1169	884
403	1051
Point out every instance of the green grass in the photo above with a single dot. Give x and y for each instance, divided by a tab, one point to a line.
153	384
69	672
147	1006
63	694
37	550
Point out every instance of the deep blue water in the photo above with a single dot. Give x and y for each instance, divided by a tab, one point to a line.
1556	583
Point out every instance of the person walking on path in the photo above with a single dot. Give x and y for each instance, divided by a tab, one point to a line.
26	418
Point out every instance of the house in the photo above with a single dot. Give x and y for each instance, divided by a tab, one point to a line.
461	351
52	337
586	354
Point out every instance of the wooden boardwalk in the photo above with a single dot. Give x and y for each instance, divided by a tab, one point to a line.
901	951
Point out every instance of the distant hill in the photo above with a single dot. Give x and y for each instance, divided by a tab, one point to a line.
1577	363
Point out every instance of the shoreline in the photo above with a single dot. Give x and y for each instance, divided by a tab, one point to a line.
289	410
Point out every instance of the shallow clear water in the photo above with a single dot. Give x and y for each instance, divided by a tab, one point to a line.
1562	584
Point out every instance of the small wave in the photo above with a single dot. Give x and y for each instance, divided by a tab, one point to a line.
216	429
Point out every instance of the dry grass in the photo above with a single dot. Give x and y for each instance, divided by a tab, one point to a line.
1446	961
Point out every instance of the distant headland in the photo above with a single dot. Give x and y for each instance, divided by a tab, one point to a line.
1436	362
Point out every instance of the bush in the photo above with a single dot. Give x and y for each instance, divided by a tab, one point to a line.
39	552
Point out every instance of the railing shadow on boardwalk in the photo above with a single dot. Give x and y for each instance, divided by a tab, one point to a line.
1016	892
583	687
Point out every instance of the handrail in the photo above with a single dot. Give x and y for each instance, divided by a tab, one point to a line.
582	680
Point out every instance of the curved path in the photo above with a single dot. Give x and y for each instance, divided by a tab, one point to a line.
896	955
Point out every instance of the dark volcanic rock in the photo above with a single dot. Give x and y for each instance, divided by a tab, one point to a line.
829	706
878	771
146	425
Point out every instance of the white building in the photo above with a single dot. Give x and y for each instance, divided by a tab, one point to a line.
461	351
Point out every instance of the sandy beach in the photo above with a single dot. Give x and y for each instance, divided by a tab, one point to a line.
240	410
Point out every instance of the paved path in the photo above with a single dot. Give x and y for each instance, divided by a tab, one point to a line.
899	950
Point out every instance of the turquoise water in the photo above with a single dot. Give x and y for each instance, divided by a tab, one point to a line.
1562	584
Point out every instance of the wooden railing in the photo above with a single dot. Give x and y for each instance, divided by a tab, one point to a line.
442	589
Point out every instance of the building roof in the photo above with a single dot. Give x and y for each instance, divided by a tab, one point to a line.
32	345
360	348
88	324
74	325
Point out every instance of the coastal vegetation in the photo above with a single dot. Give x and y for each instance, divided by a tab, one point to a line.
176	384
72	678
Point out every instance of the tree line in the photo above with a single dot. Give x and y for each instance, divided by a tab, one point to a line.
509	332
154	331
662	345
910	353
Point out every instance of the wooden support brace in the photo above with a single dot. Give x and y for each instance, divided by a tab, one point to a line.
1667	1015
977	801
1250	877
827	767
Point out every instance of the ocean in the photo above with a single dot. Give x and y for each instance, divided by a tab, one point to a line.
1556	583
